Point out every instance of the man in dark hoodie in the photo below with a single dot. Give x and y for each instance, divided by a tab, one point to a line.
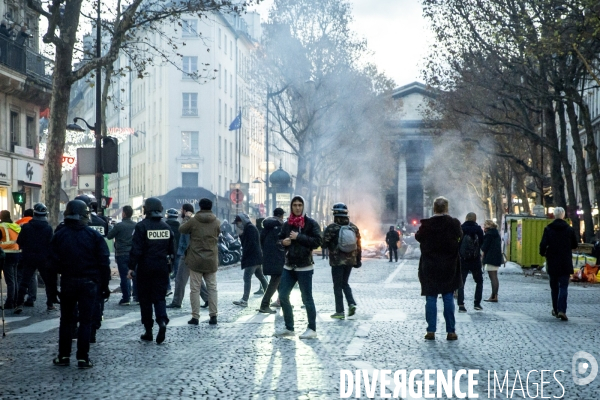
470	260
122	233
171	220
392	238
273	256
300	235
439	265
34	242
557	245
252	257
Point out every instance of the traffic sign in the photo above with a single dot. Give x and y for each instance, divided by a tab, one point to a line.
19	198
237	196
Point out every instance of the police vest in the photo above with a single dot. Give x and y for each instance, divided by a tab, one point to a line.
9	238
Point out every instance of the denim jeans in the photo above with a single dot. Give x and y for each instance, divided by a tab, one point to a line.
288	280
12	275
477	272
559	288
27	283
393	250
123	265
340	275
76	293
248	272
431	312
271	289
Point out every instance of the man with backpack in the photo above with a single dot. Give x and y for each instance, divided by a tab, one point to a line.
342	239
470	259
392	238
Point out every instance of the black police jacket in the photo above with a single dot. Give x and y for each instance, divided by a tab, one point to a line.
78	251
99	224
153	241
174	224
34	241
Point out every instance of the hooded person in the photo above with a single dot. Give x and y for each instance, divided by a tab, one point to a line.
8	243
171	219
273	257
152	246
392	238
252	257
34	242
300	235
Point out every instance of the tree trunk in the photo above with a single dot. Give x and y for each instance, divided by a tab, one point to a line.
568	172
581	173
558	183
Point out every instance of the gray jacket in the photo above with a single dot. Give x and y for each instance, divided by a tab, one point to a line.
122	233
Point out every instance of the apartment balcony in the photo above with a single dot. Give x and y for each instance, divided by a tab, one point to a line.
189	112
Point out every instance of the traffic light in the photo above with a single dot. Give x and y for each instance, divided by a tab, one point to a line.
414	222
105	202
19	198
110	155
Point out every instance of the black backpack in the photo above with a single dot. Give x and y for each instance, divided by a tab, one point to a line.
469	247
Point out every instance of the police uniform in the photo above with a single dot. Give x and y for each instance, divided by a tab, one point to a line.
153	243
81	256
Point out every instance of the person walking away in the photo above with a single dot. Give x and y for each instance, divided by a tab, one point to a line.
202	258
8	243
152	246
273	256
439	266
32	286
252	257
324	251
171	220
122	234
557	244
300	235
342	239
491	249
80	255
470	261
34	242
392	238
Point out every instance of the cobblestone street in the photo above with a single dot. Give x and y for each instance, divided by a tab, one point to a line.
239	358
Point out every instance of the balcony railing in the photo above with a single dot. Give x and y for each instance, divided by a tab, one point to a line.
189	112
24	60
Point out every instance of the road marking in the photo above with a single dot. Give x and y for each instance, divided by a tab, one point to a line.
256	319
389	315
39	327
119	322
14	319
183	321
393	275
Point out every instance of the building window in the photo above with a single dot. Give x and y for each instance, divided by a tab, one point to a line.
219	148
225	81
190	67
189	166
189	27
31	136
190	105
230	50
219	110
225	151
230	85
189	143
225	114
219	37
220	76
14	128
225	49
189	179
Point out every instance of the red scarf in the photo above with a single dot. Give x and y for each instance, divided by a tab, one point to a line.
296	221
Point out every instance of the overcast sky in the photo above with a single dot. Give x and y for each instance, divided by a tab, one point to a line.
395	31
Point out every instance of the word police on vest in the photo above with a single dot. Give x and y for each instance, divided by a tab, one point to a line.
99	229
162	234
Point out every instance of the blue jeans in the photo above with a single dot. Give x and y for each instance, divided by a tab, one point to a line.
559	288
431	312
476	270
123	265
248	272
12	274
304	279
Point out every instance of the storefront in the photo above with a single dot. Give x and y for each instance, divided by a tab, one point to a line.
28	175
5	178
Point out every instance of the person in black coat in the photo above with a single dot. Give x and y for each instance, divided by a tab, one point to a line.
252	257
392	238
171	220
273	256
558	242
34	242
81	256
492	258
439	265
471	263
300	235
152	246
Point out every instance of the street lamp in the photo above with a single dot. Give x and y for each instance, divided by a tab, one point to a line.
97	127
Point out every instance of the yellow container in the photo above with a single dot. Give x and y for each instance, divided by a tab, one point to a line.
512	256
529	234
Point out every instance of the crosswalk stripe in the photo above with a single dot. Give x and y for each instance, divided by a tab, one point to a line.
119	322
39	327
183	321
14	319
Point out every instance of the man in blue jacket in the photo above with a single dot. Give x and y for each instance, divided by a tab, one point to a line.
252	257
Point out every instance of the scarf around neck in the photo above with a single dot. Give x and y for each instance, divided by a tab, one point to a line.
297	221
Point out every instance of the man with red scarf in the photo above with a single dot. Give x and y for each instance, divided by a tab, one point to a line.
300	235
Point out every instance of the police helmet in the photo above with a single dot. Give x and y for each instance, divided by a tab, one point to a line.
40	209
172	213
340	209
153	207
89	201
77	210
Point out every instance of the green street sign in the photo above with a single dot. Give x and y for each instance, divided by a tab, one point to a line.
19	198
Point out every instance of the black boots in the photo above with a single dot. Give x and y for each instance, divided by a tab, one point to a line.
148	335
213	320
162	330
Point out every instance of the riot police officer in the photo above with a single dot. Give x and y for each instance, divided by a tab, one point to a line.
81	256
153	246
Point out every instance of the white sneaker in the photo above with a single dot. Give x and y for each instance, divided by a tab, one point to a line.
309	334
284	333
